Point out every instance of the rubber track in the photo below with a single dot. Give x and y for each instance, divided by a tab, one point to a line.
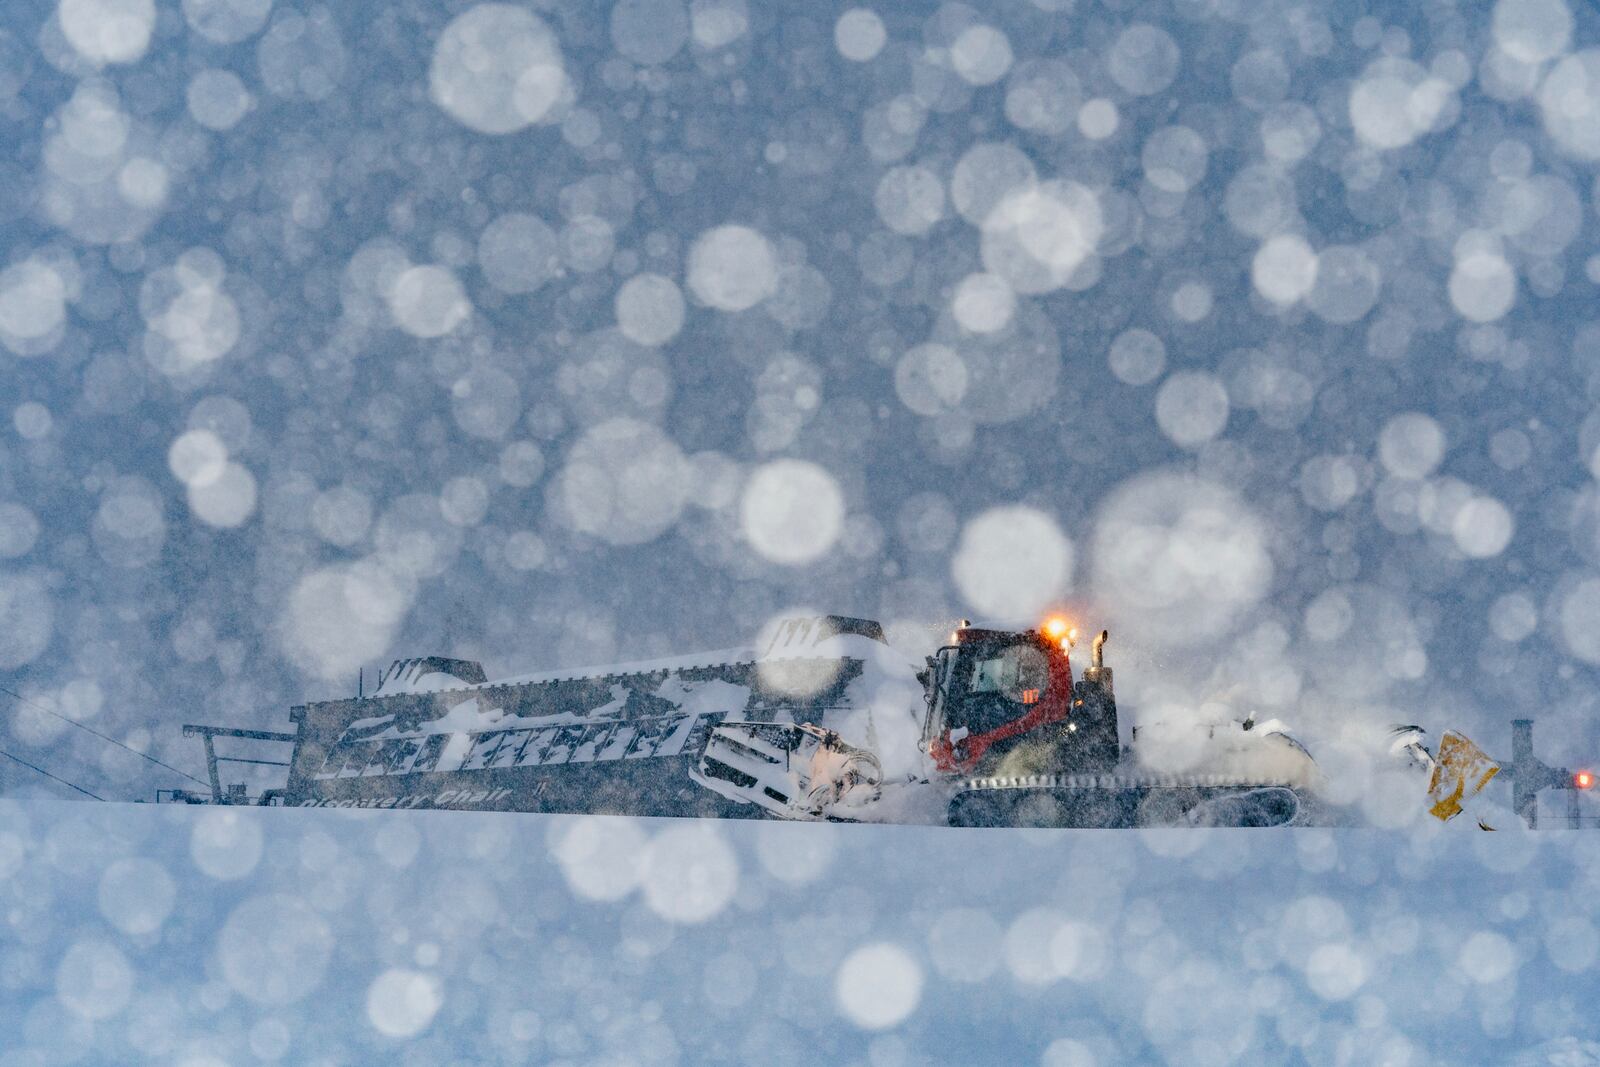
1121	782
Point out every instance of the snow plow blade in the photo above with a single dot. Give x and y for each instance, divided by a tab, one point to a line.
1460	771
1122	802
794	772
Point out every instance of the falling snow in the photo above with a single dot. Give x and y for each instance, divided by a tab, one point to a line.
546	335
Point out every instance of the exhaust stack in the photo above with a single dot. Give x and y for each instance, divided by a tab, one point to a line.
1097	672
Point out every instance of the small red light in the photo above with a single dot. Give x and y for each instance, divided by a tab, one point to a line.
1583	779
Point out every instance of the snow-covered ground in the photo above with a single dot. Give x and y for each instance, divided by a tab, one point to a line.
201	937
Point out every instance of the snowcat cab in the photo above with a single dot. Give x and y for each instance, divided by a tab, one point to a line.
1006	702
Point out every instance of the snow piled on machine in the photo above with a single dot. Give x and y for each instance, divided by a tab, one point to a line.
1206	739
880	709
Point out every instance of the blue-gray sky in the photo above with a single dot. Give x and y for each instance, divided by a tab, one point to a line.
556	334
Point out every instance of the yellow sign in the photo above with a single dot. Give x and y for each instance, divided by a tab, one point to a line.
1460	770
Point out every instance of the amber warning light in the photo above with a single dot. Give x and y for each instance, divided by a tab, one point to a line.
1583	779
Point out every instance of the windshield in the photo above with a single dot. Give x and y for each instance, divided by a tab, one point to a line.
1018	673
990	686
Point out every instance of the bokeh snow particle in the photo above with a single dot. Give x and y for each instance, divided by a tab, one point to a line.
485	403
1178	559
1137	356
274	949
1044	96
718	23
217	99
1487	957
464	501
985	175
983	303
1483	527
1572	942
1260	200
226	844
1192	301
1346	285
1174	159
1569	102
402	1003
340	618
796	854
600	858
108	31
521	464
428	301
519	252
1336	971
587	243
1098	119
1037	236
1027	946
732	268
19	530
1068	1052
689	872
1143	60
1191	408
1396	101
981	55
878	986
910	200
1513	617
859	34
1411	445
624	481
226	21
341	515
137	895
1289	132
1012	563
1284	269
1483	287
1532	31
792	511
302	57
33	303
129	526
32	420
191	318
1579	618
649	31
931	379
1329	482
650	309
94	980
1260	79
227	500
497	69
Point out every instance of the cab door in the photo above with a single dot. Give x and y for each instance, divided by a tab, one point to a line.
939	675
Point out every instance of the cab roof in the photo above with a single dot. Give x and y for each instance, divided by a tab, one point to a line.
973	635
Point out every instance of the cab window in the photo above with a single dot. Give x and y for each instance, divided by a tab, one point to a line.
1018	672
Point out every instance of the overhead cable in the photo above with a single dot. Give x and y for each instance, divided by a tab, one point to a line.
52	777
101	736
